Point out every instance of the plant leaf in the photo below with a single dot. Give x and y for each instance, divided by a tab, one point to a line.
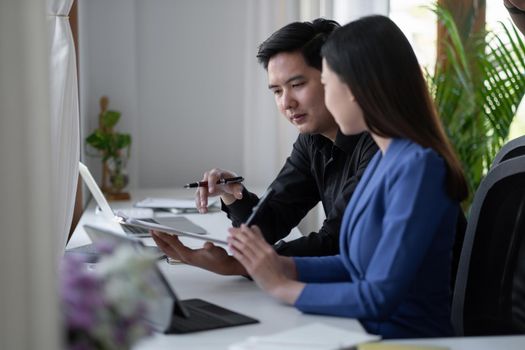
110	119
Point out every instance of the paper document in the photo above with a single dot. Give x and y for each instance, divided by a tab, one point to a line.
170	203
317	336
399	346
168	229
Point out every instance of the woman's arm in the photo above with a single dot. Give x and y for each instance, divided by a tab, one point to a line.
416	207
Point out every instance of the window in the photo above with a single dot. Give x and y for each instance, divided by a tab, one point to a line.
418	23
496	13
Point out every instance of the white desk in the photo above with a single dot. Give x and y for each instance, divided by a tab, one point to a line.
239	294
514	342
235	293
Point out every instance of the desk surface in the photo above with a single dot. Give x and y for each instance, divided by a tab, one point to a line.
233	292
242	295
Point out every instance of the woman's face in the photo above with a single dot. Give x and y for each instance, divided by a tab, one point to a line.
341	103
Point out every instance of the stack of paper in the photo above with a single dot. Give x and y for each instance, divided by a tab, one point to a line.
172	203
317	336
392	346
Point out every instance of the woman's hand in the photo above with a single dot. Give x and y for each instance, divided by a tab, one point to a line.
271	272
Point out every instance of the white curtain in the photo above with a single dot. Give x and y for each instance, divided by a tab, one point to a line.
268	137
64	115
345	11
29	317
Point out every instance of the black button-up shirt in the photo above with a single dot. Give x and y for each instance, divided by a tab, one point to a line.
317	170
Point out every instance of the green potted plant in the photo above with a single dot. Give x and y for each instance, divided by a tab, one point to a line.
114	148
477	88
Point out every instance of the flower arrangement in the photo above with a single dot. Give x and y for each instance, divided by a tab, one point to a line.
103	308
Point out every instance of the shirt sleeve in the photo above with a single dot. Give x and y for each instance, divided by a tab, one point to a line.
415	200
295	194
326	240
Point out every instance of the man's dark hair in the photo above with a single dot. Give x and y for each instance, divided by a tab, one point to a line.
305	37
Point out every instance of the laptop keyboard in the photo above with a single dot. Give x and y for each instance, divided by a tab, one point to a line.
197	321
134	230
204	316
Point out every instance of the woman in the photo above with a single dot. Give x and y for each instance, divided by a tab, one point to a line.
396	239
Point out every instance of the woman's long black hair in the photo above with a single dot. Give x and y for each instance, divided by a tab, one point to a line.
374	58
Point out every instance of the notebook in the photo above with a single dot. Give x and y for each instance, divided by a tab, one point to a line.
166	312
178	222
318	336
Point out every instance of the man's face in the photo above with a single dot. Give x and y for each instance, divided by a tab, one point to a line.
299	94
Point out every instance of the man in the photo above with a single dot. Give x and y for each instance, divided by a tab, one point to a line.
516	10
324	165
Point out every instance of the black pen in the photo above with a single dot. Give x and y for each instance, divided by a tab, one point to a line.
259	206
228	180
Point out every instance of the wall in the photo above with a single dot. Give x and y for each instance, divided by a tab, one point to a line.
175	71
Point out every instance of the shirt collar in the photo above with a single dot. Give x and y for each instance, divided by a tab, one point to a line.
347	143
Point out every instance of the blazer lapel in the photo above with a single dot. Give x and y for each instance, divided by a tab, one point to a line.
345	230
375	177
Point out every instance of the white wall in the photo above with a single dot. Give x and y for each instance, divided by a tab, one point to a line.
175	71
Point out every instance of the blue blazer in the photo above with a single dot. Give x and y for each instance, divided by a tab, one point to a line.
393	270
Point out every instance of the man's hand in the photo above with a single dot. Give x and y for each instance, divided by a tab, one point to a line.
229	192
209	257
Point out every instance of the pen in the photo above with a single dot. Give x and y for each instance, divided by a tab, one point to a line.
228	180
258	207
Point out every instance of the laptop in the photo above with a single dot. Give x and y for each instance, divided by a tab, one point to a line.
177	222
166	312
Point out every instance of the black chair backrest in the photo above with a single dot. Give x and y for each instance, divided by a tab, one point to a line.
461	227
489	293
511	149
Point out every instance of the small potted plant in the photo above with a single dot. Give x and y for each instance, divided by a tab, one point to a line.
114	148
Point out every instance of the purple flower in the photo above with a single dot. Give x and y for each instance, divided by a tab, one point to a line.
94	320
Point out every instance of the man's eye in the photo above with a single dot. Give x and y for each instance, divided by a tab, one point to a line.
297	84
276	92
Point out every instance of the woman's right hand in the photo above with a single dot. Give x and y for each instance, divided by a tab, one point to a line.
229	192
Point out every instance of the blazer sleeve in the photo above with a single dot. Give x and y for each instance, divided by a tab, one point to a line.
321	269
415	200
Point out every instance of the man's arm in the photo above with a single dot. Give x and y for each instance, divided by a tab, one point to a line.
326	240
296	192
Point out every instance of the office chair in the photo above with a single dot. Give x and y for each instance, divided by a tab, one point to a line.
513	148
489	293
